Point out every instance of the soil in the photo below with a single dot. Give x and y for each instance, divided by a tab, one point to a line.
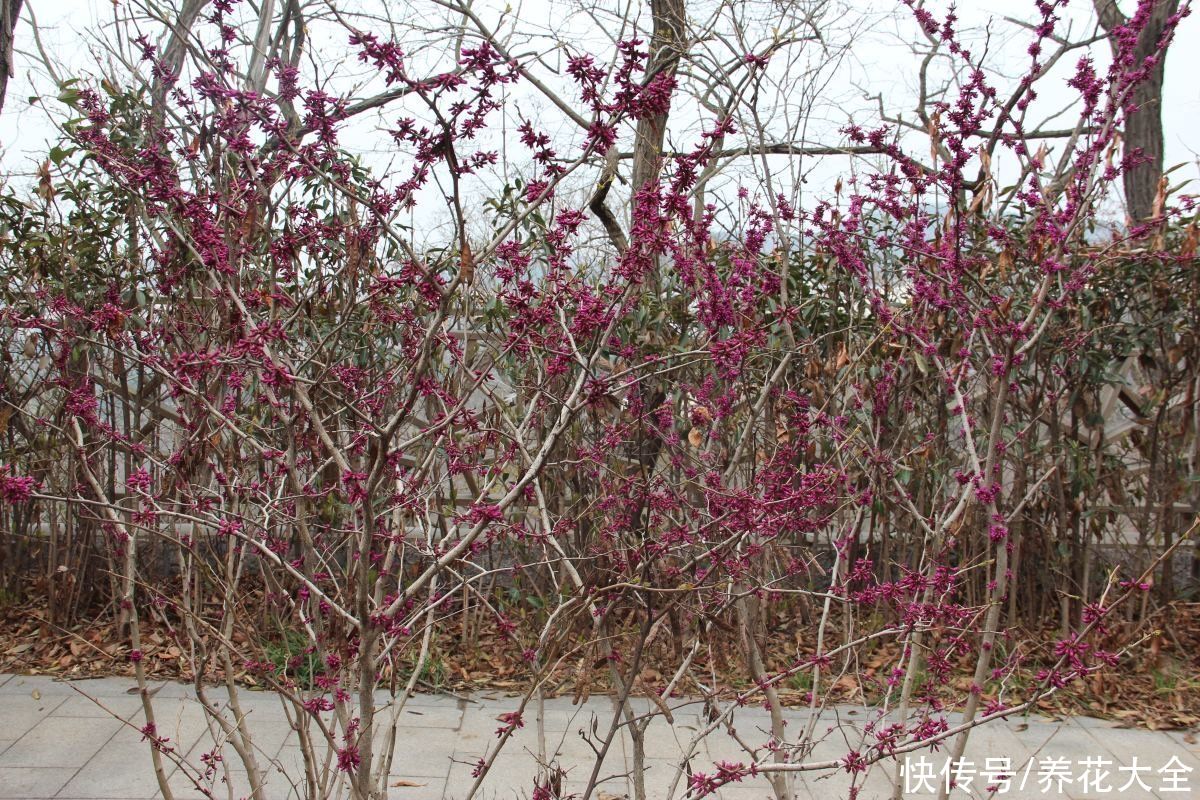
1156	684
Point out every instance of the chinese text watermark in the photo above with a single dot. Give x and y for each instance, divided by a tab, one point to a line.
1048	775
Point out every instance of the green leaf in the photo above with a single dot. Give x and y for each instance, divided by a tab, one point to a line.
58	154
69	96
922	365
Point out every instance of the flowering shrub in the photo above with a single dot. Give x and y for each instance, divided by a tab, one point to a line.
723	413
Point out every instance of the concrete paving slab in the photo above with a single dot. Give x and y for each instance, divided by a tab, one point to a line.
185	725
427	700
659	775
66	748
1128	743
874	785
556	707
31	783
662	740
67	742
277	784
102	687
123	768
22	712
41	684
609	787
509	776
478	727
725	748
746	794
183	788
424	752
123	707
435	717
998	741
566	747
1060	740
415	787
268	734
290	761
165	689
558	719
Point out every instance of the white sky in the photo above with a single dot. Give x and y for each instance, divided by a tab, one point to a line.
880	61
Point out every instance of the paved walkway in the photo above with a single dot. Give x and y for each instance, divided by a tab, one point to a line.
57	743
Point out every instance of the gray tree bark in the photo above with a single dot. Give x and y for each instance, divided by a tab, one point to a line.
666	47
1143	132
10	11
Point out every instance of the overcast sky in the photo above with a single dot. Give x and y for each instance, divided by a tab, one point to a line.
880	62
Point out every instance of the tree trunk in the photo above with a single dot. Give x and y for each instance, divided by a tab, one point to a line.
666	46
1143	127
10	10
